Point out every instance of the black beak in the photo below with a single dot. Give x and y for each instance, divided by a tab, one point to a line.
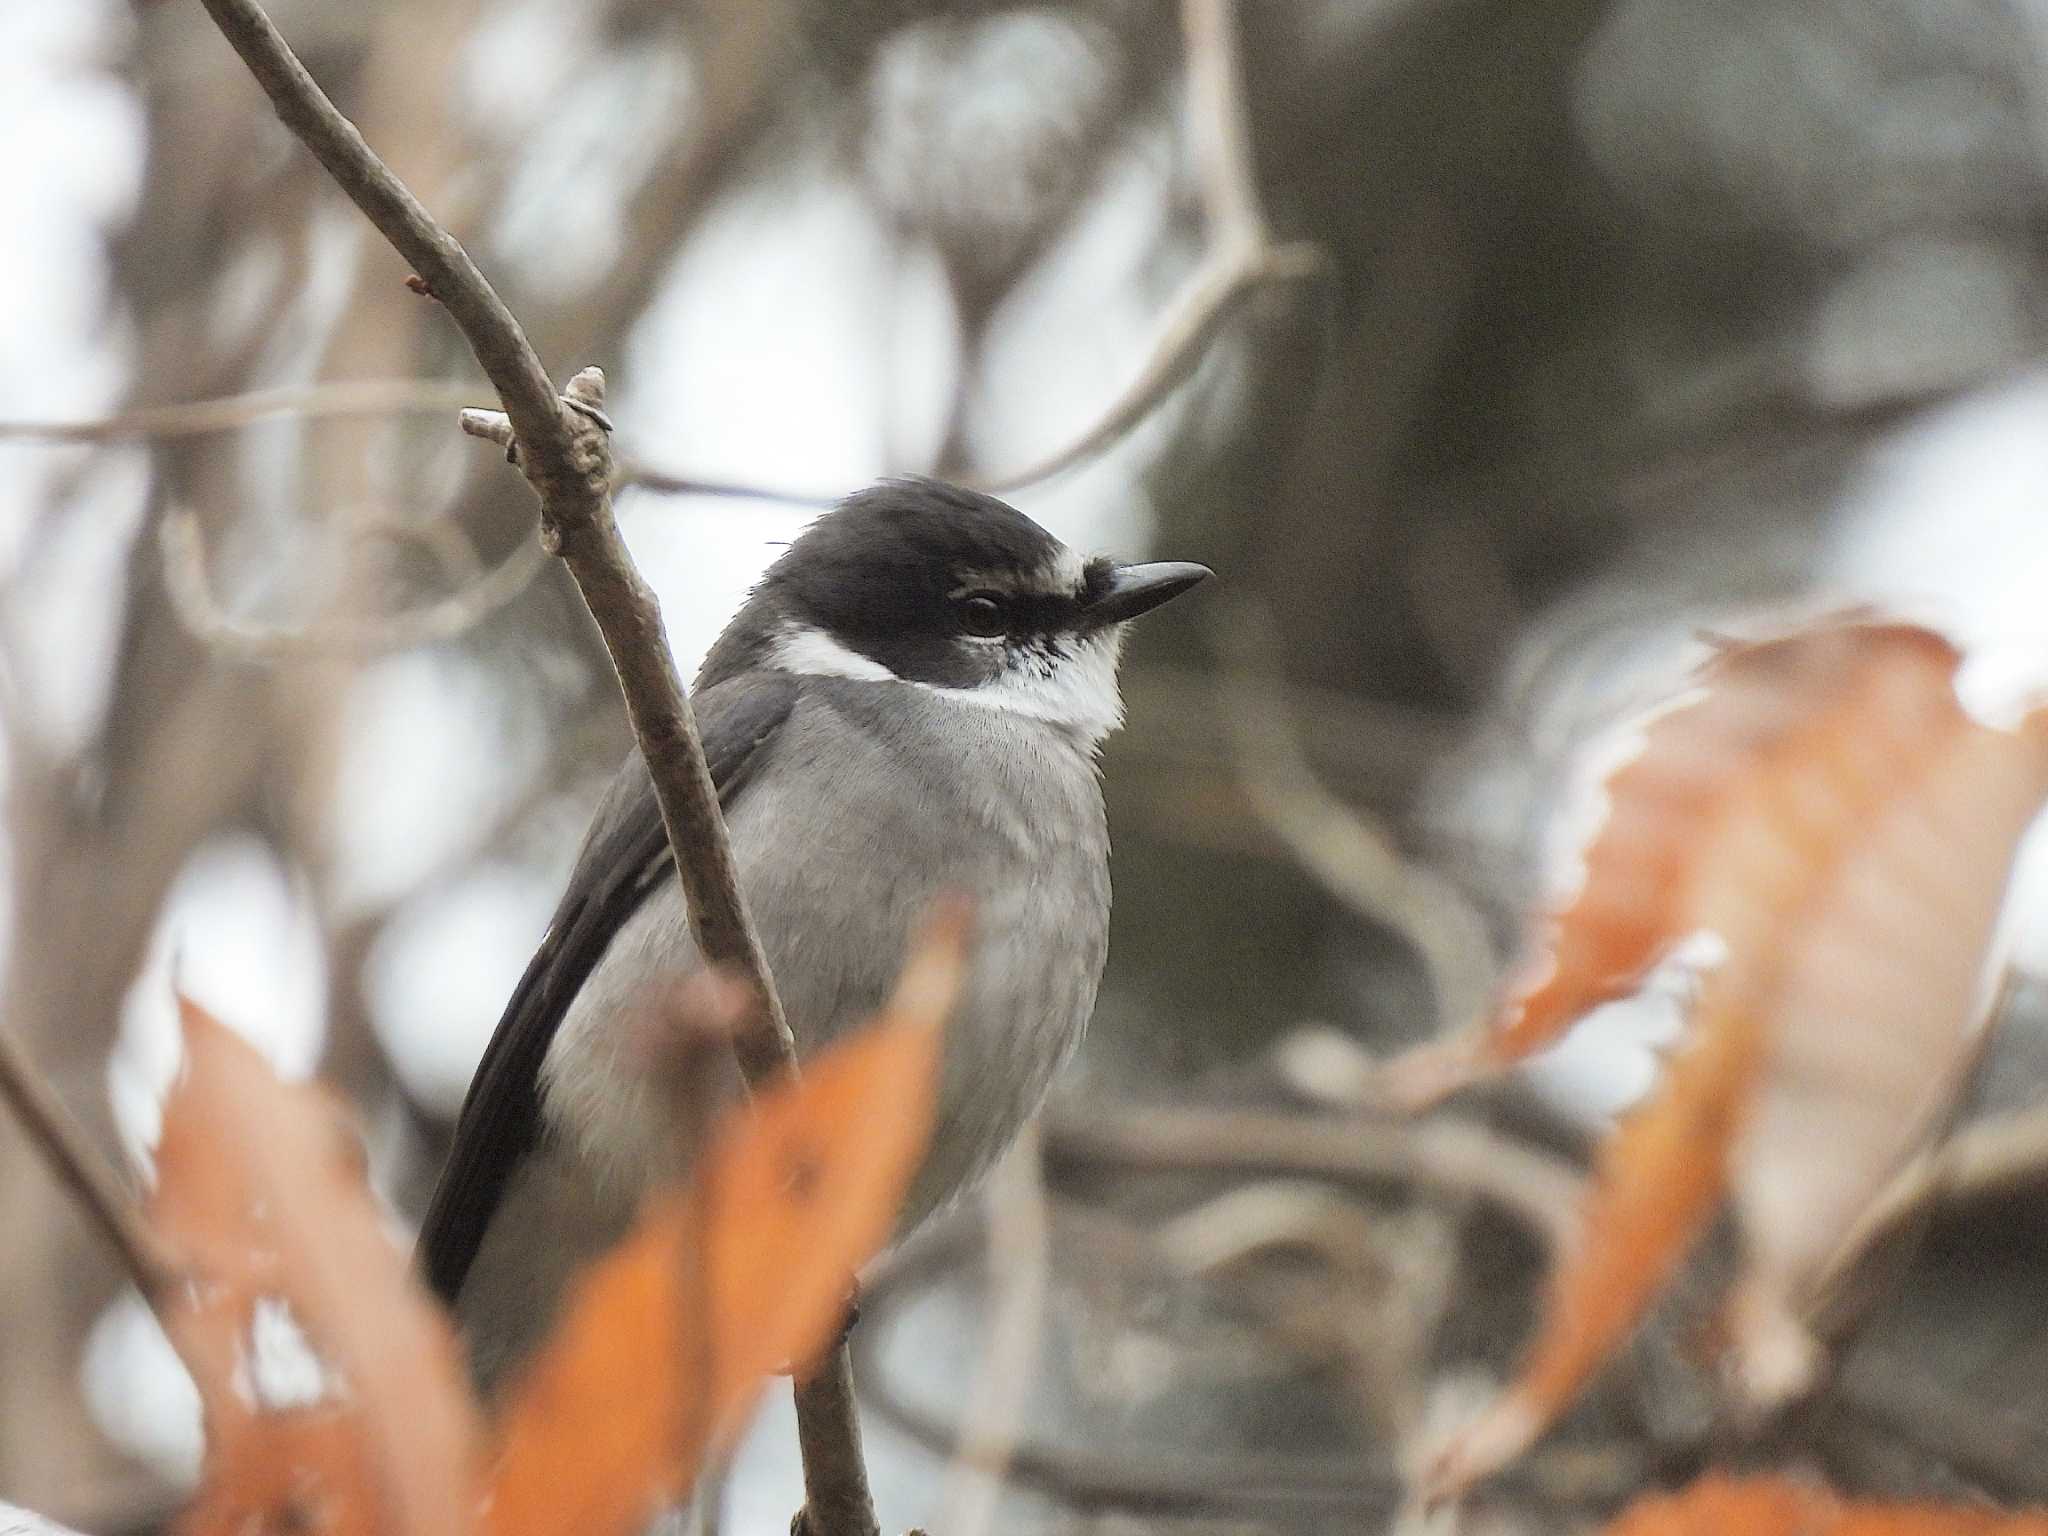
1136	589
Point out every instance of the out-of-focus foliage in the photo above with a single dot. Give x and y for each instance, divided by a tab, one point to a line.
334	1396
1719	1506
1816	831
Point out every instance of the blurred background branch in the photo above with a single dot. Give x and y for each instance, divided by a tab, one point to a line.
78	1166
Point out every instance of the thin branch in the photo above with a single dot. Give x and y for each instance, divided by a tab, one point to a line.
2004	1155
1214	1483
1216	291
565	453
1124	1477
636	476
1353	856
229	413
1385	1280
1999	1156
82	1170
1458	1158
191	592
496	427
1221	125
1242	260
1019	1270
345	398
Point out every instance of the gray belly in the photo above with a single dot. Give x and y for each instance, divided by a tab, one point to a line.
841	854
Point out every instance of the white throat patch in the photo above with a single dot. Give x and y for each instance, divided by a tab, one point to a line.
1076	692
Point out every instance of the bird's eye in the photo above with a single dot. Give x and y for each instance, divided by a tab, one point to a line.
981	613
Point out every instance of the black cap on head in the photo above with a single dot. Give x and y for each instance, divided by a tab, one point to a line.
925	578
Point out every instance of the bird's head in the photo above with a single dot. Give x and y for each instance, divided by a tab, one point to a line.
921	582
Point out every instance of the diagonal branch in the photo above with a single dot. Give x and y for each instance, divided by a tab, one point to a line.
565	452
1353	856
1242	260
97	1187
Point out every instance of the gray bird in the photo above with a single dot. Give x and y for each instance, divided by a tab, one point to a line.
910	702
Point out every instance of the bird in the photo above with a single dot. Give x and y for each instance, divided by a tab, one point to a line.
909	704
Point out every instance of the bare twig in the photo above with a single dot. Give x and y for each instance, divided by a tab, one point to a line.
1221	126
1243	258
435	255
2003	1155
1458	1161
637	476
1992	1157
345	398
1124	1477
1019	1240
1351	854
229	413
496	427
184	555
95	1185
1374	1306
1211	296
1461	1159
565	454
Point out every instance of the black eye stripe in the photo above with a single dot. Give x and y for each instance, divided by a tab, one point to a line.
1023	615
1039	613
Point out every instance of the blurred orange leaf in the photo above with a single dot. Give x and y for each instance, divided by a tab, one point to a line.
1722	1506
260	1189
1660	789
666	1342
1822	826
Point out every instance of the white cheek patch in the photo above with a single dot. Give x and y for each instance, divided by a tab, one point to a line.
811	652
1075	691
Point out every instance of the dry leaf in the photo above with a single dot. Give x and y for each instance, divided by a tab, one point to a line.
665	1343
1823	826
1721	1506
287	1471
1654	793
260	1189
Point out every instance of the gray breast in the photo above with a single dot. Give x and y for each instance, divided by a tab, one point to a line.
877	798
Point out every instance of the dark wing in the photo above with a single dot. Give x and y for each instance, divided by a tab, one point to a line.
625	856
